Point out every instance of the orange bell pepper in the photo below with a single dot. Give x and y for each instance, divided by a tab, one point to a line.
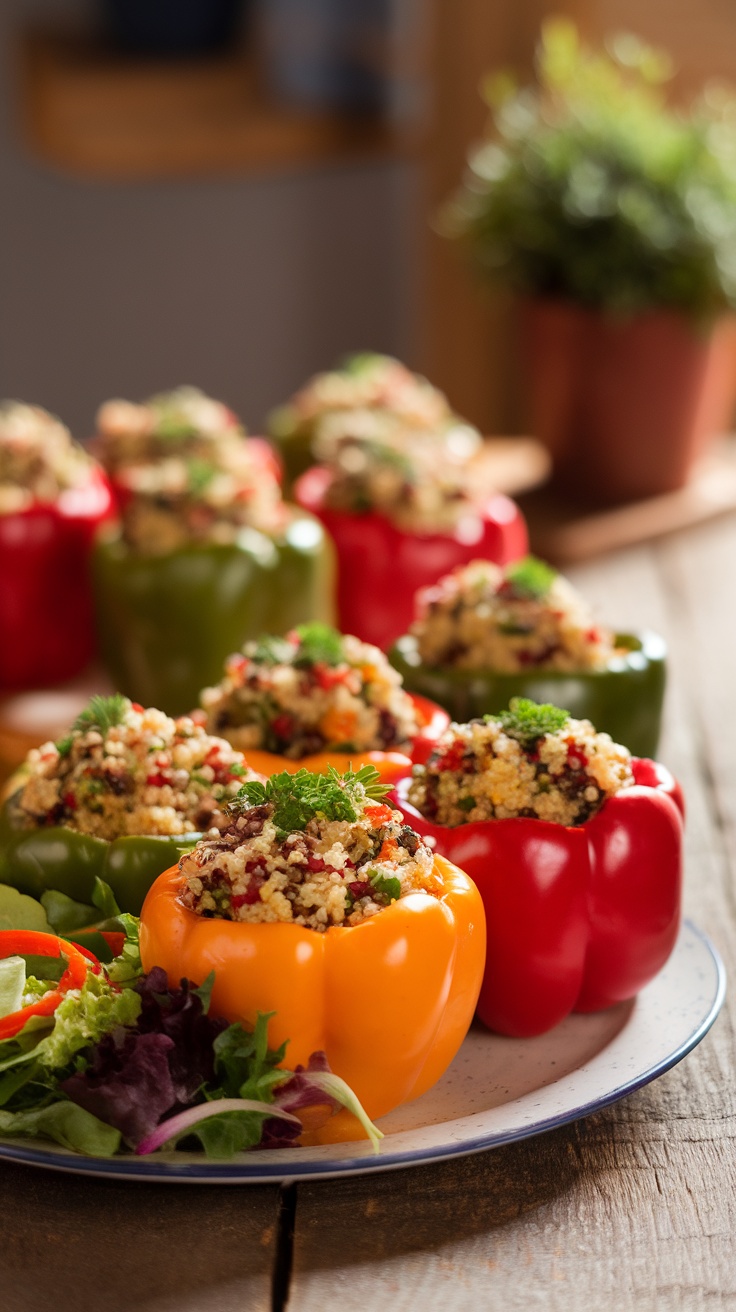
389	1000
391	766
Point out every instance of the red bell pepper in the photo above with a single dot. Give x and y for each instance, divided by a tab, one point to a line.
579	918
46	617
380	566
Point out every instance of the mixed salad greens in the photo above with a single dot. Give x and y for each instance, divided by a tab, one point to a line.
103	1058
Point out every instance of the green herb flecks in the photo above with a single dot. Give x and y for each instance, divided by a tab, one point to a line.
386	888
200	474
319	644
101	713
299	798
269	650
528	721
530	577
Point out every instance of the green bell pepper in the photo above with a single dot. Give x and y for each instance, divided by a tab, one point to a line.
59	858
624	699
167	622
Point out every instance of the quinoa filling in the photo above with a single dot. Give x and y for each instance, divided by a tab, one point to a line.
185	471
523	616
38	459
368	384
125	770
312	850
392	444
312	690
529	761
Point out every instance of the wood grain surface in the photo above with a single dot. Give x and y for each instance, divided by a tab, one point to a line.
634	1208
68	1244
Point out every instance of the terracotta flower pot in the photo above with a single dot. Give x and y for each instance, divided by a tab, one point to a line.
625	406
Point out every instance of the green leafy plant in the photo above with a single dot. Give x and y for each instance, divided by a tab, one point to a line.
591	186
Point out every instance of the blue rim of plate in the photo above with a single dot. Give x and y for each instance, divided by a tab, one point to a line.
249	1171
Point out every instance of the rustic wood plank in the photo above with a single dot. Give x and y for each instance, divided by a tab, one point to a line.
633	1208
70	1243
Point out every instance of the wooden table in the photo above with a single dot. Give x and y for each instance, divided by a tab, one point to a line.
632	1209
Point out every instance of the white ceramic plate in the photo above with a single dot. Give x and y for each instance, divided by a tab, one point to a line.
497	1090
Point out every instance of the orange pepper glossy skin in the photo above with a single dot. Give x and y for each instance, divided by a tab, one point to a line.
390	1000
391	766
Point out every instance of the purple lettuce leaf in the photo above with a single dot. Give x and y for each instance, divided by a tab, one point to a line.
127	1083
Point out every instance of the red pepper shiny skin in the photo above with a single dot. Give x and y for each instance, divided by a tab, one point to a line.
46	616
579	918
380	566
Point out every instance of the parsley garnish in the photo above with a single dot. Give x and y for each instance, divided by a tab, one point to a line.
530	577
527	721
101	713
298	798
319	644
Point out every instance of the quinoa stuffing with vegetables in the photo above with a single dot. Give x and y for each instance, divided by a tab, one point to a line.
313	689
368	388
313	850
532	760
424	482
185	471
507	619
391	442
125	770
38	458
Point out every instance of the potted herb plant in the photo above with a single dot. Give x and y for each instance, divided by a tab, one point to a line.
613	214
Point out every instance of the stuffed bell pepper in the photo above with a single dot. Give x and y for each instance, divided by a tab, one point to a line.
206	554
369	390
405	493
52	499
316	698
575	847
484	634
119	797
317	904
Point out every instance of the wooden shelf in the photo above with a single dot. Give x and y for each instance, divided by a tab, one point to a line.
566	534
99	114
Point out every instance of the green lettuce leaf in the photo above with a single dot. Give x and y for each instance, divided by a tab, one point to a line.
67	1124
17	911
82	1018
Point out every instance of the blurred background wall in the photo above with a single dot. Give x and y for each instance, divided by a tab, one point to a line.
246	285
242	286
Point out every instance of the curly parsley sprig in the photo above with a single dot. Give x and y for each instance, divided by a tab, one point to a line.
528	721
298	798
530	577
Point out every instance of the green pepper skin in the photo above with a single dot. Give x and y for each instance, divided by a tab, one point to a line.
166	623
34	860
624	700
